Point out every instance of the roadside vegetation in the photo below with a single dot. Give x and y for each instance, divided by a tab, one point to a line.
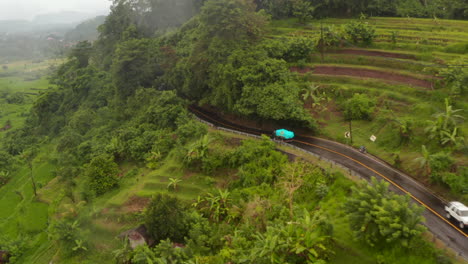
103	146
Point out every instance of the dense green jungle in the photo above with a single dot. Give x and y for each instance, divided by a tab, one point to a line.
102	162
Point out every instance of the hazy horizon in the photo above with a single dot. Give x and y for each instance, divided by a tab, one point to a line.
28	9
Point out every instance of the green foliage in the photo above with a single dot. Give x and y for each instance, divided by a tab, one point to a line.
231	20
134	66
332	37
83	120
82	52
163	110
381	218
289	49
168	253
439	162
278	9
409	8
188	128
215	206
302	9
173	183
294	177
17	140
445	128
16	98
359	107
317	95
203	238
45	107
425	159
166	217
457	182
258	162
274	101
456	77
69	236
6	161
299	241
460	48
251	83
339	8
120	19
4	177
197	152
143	255
14	247
101	173
97	113
299	49
360	32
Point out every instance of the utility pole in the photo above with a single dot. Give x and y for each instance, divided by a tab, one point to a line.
350	132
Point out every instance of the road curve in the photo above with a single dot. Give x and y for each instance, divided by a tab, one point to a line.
368	166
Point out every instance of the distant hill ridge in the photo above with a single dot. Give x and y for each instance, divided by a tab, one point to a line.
45	22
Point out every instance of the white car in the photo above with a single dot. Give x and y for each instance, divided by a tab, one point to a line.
459	212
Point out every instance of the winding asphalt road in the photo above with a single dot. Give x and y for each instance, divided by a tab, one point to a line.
368	166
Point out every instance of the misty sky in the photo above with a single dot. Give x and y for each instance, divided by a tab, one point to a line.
27	9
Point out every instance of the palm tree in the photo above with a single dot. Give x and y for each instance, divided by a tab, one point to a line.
215	206
313	92
198	150
404	127
309	92
173	182
445	123
425	159
435	128
449	117
452	138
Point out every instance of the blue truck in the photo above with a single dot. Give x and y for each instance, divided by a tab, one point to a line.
283	134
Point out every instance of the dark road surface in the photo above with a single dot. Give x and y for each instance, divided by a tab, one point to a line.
367	166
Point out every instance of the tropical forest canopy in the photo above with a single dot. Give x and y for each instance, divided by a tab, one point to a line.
107	142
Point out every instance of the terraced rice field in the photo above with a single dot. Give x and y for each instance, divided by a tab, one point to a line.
400	70
411	34
27	79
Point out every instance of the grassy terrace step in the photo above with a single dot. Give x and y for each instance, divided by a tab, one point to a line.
379	52
419	24
380	62
394	76
403	93
368	67
420	35
313	28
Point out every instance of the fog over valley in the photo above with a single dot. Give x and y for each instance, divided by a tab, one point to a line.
32	9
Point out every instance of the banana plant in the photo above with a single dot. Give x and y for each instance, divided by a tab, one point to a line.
173	183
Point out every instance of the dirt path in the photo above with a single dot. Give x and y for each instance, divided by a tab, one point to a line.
366	73
375	53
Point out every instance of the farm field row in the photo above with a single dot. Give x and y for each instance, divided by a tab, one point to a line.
401	77
20	83
392	34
